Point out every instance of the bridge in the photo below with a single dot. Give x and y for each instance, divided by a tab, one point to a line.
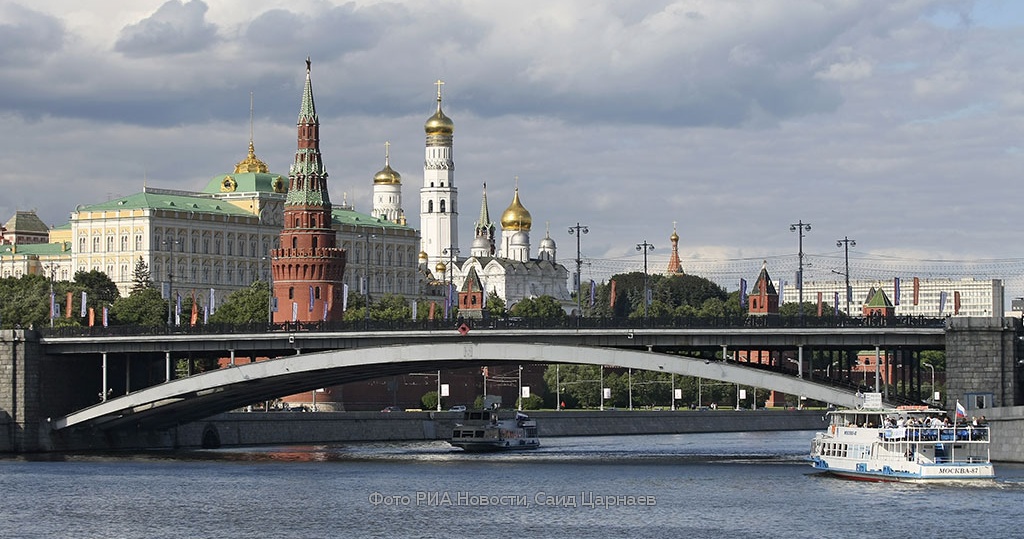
201	395
54	375
306	360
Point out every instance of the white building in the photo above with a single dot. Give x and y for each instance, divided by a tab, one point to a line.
916	297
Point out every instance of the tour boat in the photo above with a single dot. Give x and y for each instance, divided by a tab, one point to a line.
486	430
907	443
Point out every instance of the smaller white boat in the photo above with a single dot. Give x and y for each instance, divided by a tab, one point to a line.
908	443
487	431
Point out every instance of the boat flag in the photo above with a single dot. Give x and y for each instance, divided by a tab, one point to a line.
960	411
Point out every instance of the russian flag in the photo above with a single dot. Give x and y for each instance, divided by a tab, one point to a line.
960	411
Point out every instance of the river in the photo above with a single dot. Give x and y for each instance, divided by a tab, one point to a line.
730	485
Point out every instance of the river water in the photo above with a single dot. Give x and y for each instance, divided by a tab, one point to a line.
731	485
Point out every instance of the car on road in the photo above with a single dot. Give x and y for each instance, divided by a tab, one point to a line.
392	409
457	408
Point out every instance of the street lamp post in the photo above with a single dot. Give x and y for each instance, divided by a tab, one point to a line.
932	367
51	270
802	227
645	247
846	242
578	231
366	277
170	243
451	253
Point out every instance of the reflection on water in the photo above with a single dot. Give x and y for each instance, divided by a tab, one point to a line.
706	485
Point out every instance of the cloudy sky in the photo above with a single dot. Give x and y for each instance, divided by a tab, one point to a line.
897	123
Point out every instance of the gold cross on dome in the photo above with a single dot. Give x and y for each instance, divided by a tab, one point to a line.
439	84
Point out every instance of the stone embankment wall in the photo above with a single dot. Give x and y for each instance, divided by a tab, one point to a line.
259	428
1007	433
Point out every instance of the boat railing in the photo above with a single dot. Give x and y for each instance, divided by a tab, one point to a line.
968	433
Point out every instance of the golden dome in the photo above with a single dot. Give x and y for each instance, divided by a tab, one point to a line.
439	124
251	163
516	217
674	237
423	256
440	267
387	175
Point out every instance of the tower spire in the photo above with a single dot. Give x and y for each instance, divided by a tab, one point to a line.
674	265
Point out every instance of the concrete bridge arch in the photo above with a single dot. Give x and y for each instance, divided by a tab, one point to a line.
188	399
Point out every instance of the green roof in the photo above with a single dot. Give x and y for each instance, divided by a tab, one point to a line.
879	299
167	201
35	249
344	216
26	221
247	182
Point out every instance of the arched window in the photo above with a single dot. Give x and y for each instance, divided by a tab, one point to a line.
291	292
430	206
441	210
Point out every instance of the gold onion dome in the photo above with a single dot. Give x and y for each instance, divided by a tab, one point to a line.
387	175
516	217
439	124
440	267
423	256
674	236
251	163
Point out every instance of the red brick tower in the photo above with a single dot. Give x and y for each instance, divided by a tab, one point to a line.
308	268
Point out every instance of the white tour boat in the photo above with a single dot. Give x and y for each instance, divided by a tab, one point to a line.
485	430
907	443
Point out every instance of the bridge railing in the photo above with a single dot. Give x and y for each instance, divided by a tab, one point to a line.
519	323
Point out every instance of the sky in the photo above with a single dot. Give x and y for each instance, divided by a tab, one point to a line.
895	123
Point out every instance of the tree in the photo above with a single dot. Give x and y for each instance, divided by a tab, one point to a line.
245	306
579	385
141	278
100	289
495	306
392	308
544	308
429	400
145	307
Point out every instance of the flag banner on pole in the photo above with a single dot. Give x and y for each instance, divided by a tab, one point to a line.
819	304
344	298
956	303
593	292
206	314
165	290
213	302
295	311
782	292
942	302
743	292
917	289
835	302
53	305
325	310
312	299
105	314
177	308
84	308
67	310
194	316
799	280
896	291
611	295
415	304
92	317
433	307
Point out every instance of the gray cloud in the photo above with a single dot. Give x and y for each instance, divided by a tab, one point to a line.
26	36
173	29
